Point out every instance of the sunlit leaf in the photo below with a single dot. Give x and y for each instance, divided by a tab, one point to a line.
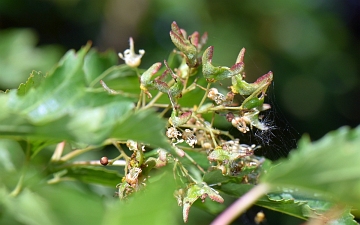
155	205
329	167
63	108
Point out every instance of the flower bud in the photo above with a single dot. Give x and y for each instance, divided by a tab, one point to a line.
184	45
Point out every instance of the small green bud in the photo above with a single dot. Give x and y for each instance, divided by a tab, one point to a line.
145	79
184	45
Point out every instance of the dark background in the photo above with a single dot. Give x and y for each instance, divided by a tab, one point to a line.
312	46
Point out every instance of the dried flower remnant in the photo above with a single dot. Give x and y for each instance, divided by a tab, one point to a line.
173	133
130	57
241	123
219	98
132	145
189	137
216	96
132	177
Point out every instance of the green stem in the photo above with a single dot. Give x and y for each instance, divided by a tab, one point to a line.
20	183
152	102
18	187
122	155
205	95
143	102
201	128
119	92
161	105
93	163
210	130
240	205
185	172
77	152
105	73
58	152
162	114
138	105
221	107
195	163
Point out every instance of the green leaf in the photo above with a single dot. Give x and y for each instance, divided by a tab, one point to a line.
72	205
62	107
19	56
98	175
11	156
155	205
216	177
209	206
143	126
329	166
290	202
32	82
29	208
96	63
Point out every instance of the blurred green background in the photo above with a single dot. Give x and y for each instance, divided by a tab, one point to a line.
312	47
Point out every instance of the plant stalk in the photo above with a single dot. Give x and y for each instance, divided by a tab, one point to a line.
240	205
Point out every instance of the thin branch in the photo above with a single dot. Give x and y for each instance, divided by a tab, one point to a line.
205	95
152	102
122	155
105	73
194	162
240	205
140	100
97	163
58	152
20	182
77	152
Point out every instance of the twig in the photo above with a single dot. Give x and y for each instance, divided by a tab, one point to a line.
152	102
240	205
58	152
20	183
104	74
77	152
97	163
205	95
